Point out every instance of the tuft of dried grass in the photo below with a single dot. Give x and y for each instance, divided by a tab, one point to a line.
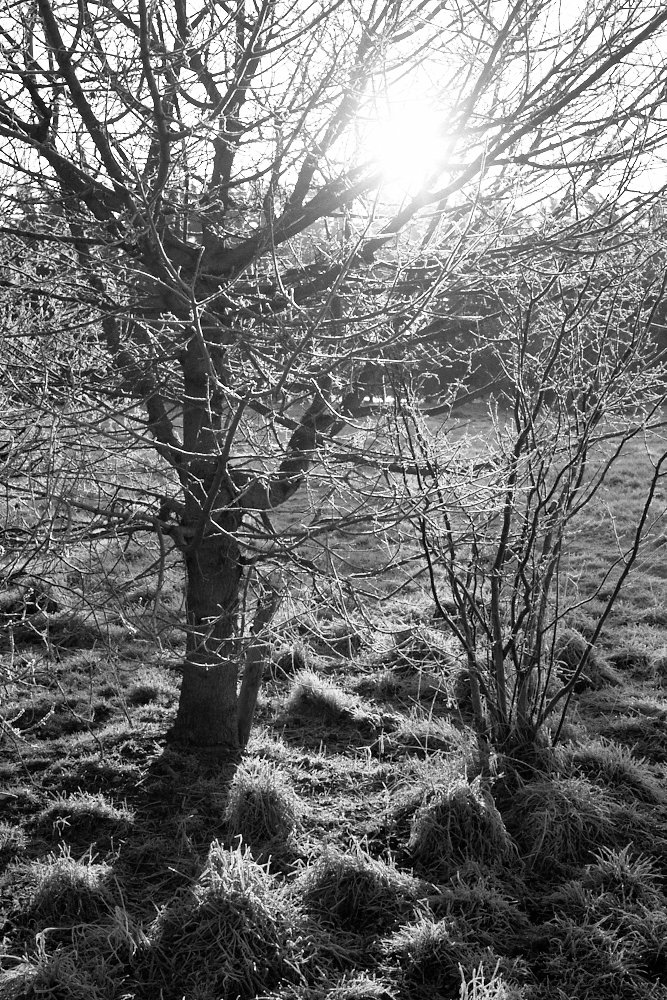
614	766
432	959
620	893
356	892
152	685
633	878
12	841
234	934
559	822
632	660
484	908
427	953
316	696
644	735
459	822
84	814
261	807
423	735
569	650
93	964
481	985
617	880
420	644
590	959
408	685
288	660
361	987
61	891
332	638
62	974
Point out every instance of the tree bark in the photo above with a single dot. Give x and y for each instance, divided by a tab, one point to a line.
211	712
256	658
207	711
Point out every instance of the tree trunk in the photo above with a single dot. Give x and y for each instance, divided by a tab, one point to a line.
253	671
211	713
207	711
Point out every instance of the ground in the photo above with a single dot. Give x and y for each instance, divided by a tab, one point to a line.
355	853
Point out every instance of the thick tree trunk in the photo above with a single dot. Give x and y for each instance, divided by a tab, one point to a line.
207	712
211	712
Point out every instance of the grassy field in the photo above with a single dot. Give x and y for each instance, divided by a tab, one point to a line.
355	854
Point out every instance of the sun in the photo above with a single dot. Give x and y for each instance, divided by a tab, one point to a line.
407	144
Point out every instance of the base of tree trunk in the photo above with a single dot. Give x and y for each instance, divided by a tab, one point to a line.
207	715
209	759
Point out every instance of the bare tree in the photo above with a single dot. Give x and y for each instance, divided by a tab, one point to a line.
202	173
579	377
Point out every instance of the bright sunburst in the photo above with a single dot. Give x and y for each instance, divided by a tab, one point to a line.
406	143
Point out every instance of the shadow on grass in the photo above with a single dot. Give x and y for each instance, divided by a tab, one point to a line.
178	807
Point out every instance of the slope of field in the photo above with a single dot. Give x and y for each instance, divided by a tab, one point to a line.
355	853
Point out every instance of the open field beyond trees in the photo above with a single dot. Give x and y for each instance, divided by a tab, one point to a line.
355	853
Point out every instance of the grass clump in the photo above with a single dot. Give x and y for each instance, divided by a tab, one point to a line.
64	974
617	881
12	841
559	822
360	987
481	985
421	736
456	823
431	958
632	660
315	696
618	892
484	908
427	953
288	660
419	645
569	650
262	808
85	814
61	891
333	638
234	934
591	959
646	737
356	892
93	962
151	685
633	878
399	685
349	986
614	766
